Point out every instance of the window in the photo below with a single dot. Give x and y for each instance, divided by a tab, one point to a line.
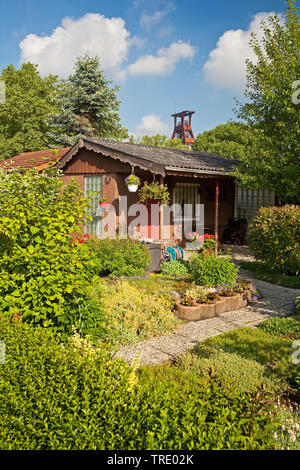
248	201
93	184
187	193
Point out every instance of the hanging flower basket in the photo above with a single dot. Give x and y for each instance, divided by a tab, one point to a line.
132	183
155	192
103	203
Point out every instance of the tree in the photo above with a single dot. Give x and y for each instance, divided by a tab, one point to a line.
24	116
159	140
88	106
232	140
273	109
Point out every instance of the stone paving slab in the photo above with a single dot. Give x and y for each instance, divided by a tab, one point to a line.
276	301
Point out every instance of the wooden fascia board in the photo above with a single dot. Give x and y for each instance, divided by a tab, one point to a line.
190	173
115	154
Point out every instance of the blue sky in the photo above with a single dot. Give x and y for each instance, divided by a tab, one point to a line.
164	54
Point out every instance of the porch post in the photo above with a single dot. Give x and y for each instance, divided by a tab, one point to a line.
217	216
161	214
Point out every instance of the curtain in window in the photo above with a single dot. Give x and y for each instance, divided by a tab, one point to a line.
93	191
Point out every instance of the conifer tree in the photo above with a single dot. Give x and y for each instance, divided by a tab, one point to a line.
88	105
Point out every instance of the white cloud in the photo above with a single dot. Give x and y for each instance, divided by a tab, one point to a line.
165	60
226	67
147	21
151	125
93	34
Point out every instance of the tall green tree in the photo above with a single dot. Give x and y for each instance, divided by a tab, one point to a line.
159	140
88	105
24	116
233	140
272	108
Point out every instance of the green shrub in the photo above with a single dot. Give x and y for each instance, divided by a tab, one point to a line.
255	344
43	274
211	271
288	327
274	237
175	268
209	244
119	257
128	313
77	398
225	423
245	374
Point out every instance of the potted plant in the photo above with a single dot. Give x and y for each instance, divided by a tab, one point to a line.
103	203
154	192
132	183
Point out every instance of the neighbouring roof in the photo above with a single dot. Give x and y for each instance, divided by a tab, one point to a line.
40	159
158	160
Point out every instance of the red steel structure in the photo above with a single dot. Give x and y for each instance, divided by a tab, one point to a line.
183	127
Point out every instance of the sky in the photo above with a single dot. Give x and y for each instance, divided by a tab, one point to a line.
166	55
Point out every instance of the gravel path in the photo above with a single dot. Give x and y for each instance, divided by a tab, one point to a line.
276	301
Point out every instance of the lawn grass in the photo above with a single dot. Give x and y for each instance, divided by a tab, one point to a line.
251	360
262	271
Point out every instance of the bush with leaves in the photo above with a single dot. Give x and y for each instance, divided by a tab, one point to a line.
274	237
43	274
128	313
78	397
211	271
176	268
118	257
288	327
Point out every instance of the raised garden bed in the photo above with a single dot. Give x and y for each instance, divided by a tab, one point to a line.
203	311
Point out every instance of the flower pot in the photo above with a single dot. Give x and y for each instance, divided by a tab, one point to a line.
221	306
234	303
132	188
195	313
104	205
244	298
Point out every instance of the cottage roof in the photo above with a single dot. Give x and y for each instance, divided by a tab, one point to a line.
158	160
40	159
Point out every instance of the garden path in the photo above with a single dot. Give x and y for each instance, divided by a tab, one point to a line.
276	301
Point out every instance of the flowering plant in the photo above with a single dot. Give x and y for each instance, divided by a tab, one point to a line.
200	238
132	179
79	240
154	191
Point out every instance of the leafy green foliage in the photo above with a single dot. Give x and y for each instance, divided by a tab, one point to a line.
232	140
273	163
209	244
211	271
288	327
176	268
118	257
87	105
255	344
24	117
77	397
261	270
154	191
43	276
129	312
245	374
274	237
62	397
159	140
225	423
